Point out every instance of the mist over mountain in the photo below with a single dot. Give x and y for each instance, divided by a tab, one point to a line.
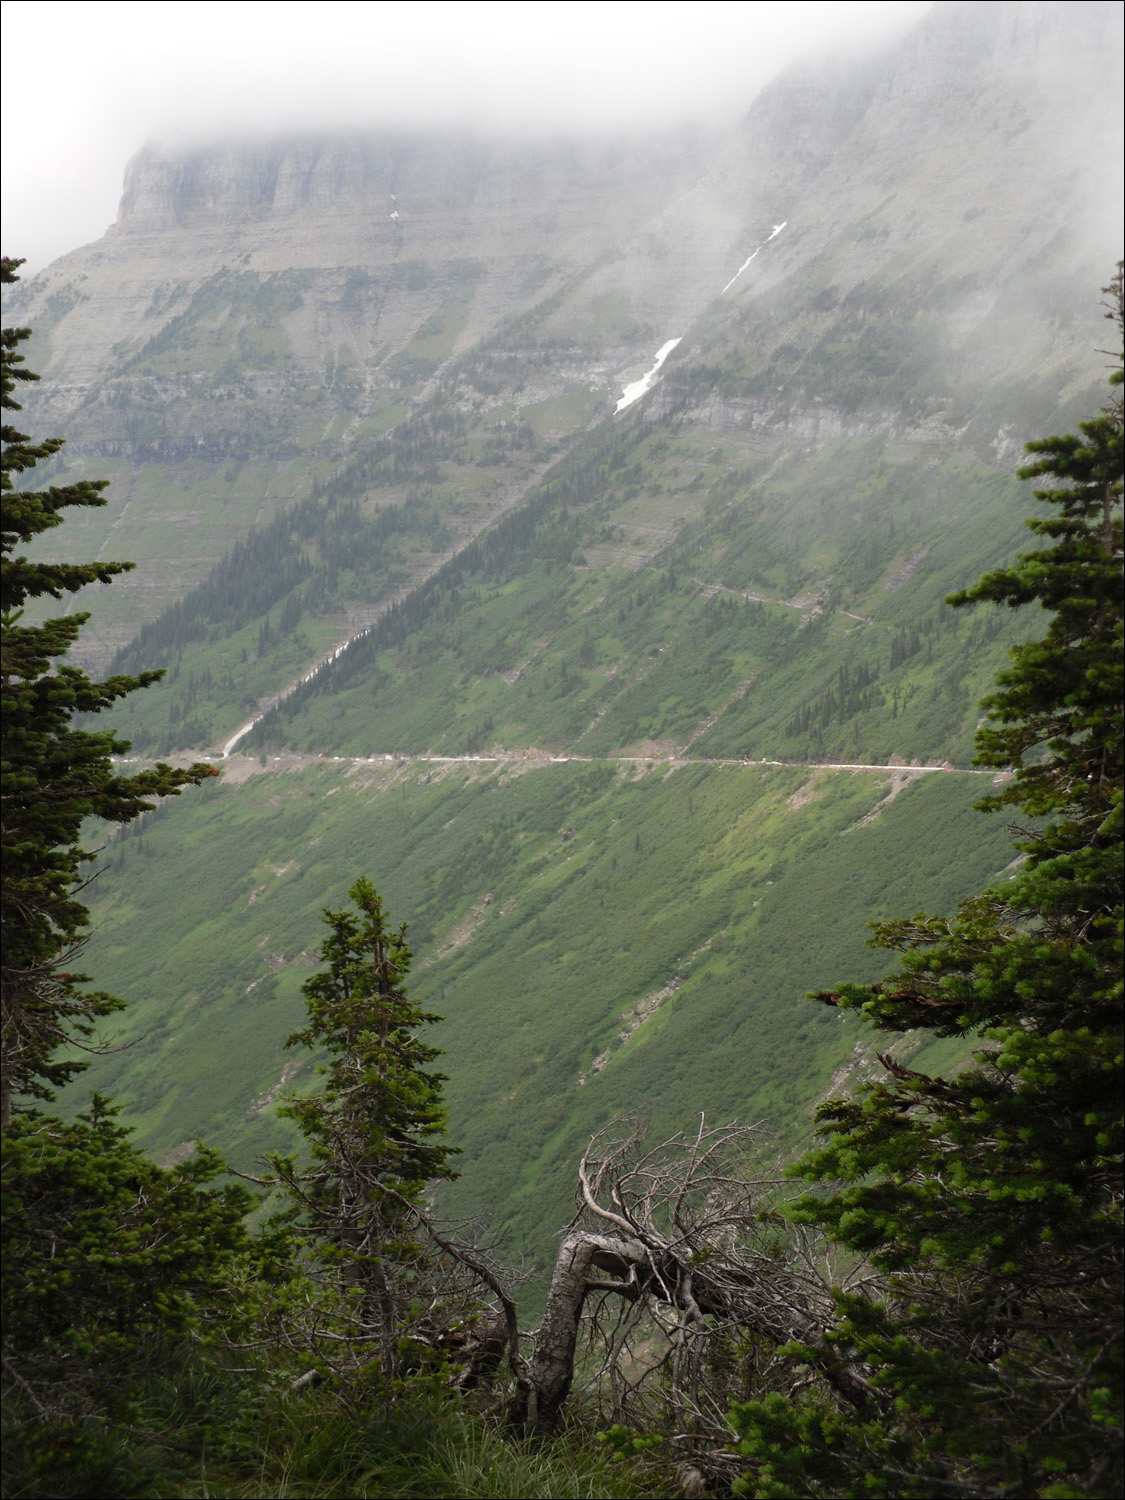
601	694
193	74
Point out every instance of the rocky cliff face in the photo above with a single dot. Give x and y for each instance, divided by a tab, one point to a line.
403	212
996	108
968	204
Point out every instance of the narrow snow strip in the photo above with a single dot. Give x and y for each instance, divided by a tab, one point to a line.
325	661
777	228
239	734
635	391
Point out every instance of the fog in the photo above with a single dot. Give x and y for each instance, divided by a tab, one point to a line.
87	85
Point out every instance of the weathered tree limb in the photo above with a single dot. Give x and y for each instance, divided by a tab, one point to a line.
479	1268
680	1211
552	1364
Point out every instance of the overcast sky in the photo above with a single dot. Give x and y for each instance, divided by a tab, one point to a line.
86	85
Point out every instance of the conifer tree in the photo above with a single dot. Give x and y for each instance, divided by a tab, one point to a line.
991	1199
115	1270
376	1130
54	775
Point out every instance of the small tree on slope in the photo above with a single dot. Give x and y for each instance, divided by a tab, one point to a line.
54	776
376	1130
992	1198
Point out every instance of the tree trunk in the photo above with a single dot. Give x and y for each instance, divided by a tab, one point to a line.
552	1365
768	1307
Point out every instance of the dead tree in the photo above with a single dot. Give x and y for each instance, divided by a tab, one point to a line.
679	1236
674	1252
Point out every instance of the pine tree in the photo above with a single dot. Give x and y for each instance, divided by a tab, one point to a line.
54	775
990	1199
118	1276
116	1272
376	1130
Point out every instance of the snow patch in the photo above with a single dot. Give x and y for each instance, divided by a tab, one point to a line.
240	735
638	388
777	228
325	661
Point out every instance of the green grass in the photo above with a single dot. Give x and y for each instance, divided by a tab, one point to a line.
545	905
202	1433
418	1450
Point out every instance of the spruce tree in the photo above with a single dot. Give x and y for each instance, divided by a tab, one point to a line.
990	1198
55	776
376	1130
121	1282
117	1274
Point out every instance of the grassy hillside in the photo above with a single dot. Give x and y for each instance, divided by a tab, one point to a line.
657	586
601	938
799	616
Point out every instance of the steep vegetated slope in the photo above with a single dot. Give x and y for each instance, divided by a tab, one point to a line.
601	939
365	390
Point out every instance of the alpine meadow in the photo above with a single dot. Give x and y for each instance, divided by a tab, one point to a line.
562	811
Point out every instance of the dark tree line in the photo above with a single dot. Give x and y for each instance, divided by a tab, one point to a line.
296	560
545	528
54	775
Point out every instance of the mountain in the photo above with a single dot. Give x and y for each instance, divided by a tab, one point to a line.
260	313
619	681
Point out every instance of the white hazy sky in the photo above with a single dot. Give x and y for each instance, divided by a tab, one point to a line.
87	84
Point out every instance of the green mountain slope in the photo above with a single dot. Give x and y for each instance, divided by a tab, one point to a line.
809	632
601	937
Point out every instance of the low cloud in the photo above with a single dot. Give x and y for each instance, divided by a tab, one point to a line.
87	86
